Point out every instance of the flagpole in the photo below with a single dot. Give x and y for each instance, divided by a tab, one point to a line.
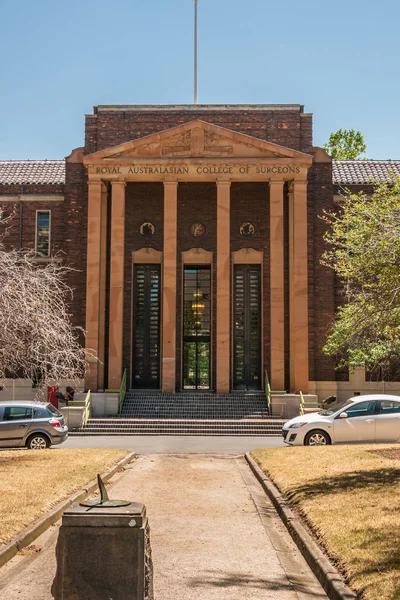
195	52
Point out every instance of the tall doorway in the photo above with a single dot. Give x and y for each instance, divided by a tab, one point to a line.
247	327
146	327
196	327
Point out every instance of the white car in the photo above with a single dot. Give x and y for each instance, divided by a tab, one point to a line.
362	419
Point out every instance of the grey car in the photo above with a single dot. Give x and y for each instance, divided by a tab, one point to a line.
36	425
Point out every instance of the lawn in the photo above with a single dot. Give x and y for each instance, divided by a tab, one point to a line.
34	481
350	497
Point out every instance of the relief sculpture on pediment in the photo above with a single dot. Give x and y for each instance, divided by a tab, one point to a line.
196	142
149	150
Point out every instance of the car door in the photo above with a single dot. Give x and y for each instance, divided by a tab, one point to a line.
359	426
388	421
14	425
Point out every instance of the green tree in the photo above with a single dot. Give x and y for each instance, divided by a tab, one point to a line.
346	144
364	250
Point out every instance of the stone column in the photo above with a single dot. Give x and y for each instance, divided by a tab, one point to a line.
116	284
277	286
223	286
93	249
169	286
102	288
291	288
298	259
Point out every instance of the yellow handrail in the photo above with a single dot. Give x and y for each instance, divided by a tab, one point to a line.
268	392
86	404
301	407
86	412
122	391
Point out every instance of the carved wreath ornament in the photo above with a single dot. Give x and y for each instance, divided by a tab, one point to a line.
147	229
247	230
197	229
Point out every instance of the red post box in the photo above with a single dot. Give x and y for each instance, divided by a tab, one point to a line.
51	395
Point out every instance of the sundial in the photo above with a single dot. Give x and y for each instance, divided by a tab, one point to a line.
104	501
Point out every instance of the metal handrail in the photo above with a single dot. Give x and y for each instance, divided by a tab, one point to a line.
302	403
122	391
86	412
86	403
268	392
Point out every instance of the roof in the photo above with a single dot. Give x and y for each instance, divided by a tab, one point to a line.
361	172
195	107
52	172
32	172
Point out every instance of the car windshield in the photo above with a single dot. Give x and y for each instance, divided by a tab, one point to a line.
337	406
53	410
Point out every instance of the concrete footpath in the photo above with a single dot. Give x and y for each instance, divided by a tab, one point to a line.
214	536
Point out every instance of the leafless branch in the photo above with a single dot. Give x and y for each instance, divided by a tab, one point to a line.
37	337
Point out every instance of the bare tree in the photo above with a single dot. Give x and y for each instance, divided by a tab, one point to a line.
37	338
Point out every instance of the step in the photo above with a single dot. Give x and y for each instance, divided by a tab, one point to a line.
177	433
220	427
194	406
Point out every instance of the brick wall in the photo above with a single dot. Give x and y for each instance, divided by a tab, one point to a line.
27	210
68	228
74	236
289	128
144	202
321	299
250	203
197	203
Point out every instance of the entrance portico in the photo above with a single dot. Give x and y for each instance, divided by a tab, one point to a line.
193	153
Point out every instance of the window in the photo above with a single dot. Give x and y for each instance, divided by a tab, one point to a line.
17	413
43	233
388	407
53	411
362	409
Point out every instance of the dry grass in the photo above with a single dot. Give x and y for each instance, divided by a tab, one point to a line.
34	481
350	496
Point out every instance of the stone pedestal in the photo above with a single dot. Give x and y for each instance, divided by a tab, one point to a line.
104	553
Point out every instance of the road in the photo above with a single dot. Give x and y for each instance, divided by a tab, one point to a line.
165	444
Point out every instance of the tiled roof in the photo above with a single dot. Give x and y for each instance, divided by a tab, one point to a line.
31	172
52	172
348	172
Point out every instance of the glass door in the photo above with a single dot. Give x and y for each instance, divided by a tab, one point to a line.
196	327
247	327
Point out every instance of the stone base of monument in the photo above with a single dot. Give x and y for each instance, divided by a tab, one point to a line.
104	553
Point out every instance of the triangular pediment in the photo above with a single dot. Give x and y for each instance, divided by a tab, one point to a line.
197	139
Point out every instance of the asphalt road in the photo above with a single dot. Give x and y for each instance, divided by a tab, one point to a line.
165	444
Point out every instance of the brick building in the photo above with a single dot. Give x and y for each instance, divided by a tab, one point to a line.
195	236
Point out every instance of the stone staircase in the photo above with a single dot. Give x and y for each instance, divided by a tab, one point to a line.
187	413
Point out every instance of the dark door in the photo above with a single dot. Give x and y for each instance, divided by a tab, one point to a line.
247	327
146	327
196	327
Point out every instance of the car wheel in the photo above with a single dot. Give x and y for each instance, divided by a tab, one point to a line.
37	441
317	437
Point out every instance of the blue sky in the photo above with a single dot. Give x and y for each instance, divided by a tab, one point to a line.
59	59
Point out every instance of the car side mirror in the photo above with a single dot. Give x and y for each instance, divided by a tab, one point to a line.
343	415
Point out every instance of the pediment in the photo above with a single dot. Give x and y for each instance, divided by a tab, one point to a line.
197	139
